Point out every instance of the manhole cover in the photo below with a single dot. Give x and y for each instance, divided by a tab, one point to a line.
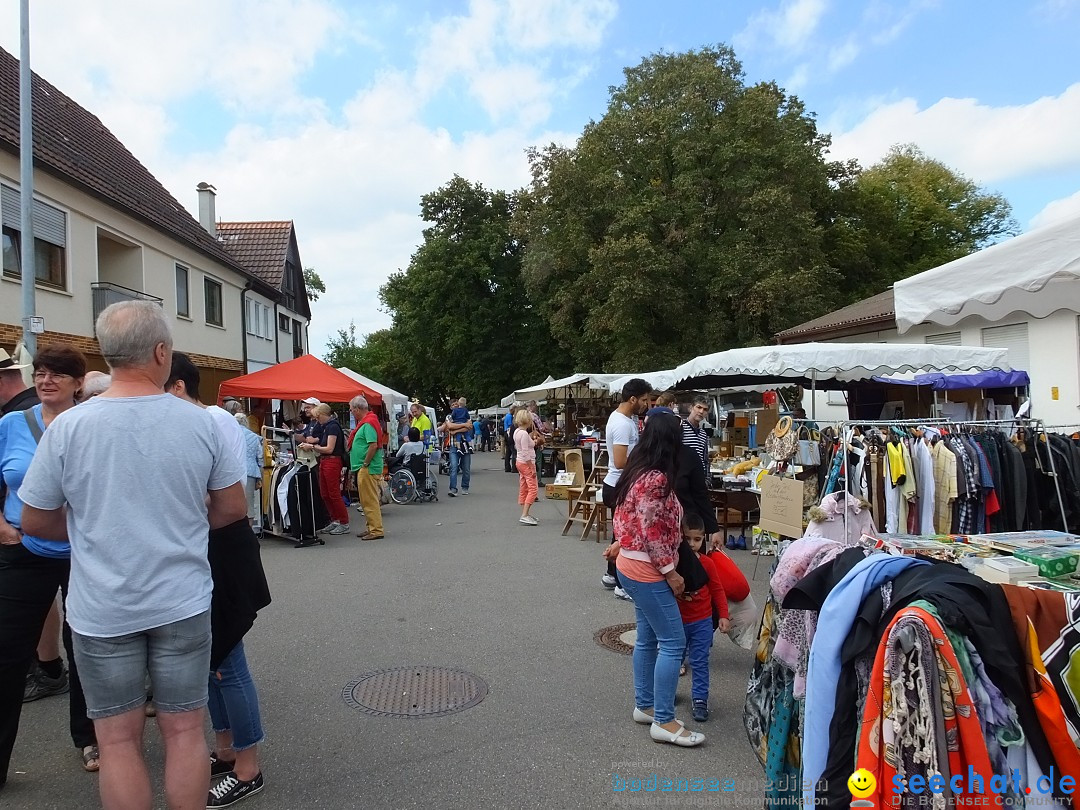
618	637
415	692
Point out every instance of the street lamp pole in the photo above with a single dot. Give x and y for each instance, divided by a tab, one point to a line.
26	181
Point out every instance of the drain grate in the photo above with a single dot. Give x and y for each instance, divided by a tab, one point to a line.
612	638
415	692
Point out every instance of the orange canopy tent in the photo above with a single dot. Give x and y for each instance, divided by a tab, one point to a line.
306	376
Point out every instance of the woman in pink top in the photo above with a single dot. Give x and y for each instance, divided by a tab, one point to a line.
647	522
526	465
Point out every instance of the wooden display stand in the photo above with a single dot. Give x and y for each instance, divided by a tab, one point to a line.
585	506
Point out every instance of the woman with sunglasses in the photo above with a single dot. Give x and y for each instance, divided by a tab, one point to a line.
32	568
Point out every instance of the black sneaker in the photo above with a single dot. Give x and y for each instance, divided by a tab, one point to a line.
220	767
230	790
39	685
701	710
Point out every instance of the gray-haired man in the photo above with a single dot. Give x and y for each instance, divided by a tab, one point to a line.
140	501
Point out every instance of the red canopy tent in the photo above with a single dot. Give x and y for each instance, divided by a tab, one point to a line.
306	376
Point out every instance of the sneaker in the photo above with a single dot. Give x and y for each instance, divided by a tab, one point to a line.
39	685
230	790
528	520
621	594
464	492
339	528
327	528
701	710
608	581
452	493
220	767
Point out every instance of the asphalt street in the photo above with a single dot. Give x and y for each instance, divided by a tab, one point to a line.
458	584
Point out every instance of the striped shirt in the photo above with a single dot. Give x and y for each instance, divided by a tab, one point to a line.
697	440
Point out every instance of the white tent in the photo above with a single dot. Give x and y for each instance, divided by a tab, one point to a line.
577	386
1036	273
494	410
830	365
394	400
659	380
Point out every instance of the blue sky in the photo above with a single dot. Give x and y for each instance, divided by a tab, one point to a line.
340	115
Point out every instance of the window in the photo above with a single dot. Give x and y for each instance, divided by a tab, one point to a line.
252	317
50	239
1013	337
268	323
298	338
183	308
212	299
284	325
944	339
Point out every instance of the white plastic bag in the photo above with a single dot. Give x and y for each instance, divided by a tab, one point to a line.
745	618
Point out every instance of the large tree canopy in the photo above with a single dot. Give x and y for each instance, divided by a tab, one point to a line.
687	218
462	323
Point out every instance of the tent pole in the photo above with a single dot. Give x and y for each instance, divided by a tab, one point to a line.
813	395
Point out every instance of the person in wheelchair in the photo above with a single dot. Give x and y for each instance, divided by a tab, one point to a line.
409	478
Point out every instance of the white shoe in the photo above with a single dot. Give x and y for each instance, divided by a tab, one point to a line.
608	581
528	520
642	717
683	737
622	594
339	528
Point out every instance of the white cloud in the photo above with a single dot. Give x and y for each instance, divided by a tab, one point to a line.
1058	211
986	143
789	26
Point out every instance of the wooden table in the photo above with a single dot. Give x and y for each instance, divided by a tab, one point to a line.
743	501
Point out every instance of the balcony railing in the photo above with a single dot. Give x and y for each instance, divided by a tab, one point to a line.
106	293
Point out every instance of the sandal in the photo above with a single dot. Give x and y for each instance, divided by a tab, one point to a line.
683	737
91	759
682	670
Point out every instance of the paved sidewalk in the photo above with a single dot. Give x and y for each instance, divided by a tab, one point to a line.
457	584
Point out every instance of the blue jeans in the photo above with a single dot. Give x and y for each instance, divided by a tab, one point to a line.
699	636
463	462
234	703
656	674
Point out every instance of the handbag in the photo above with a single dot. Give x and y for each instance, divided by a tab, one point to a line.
808	449
690	568
782	441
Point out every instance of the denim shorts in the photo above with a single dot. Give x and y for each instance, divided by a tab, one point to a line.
176	656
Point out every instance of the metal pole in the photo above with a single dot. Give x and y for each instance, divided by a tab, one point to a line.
813	394
26	180
1042	434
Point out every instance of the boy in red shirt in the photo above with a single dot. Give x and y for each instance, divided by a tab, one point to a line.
697	615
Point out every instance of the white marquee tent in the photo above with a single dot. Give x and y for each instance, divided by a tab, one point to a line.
394	400
1036	272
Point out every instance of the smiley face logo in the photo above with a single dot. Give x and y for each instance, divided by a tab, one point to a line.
861	783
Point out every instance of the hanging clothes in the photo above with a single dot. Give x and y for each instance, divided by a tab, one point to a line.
945	487
927	489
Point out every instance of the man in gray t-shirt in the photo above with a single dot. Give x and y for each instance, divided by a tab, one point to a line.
136	478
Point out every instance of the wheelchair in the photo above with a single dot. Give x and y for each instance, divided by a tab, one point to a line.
413	480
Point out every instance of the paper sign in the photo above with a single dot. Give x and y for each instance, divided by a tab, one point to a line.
564	478
781	505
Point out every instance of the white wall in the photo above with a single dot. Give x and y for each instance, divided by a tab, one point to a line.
1053	360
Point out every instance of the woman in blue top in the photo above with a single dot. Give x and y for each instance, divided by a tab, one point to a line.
32	569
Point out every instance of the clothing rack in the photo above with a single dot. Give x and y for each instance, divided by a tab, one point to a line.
1020	422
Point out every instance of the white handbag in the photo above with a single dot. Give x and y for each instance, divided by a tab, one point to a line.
808	452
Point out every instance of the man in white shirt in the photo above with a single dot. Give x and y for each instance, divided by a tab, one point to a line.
620	437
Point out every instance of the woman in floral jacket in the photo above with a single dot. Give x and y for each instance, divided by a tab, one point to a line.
646	523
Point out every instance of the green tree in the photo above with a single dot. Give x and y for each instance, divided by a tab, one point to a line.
909	213
688	219
374	358
314	283
462	323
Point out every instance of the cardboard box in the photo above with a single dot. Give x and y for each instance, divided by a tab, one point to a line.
726	449
556	492
734	517
1051	562
766	421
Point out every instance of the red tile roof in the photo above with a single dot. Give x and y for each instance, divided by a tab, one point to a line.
73	144
869	315
262	247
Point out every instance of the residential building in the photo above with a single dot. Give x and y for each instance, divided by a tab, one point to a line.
107	230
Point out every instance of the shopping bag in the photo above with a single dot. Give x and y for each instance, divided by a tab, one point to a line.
745	618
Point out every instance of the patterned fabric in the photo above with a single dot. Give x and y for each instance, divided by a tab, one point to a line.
899	719
1062	661
648	522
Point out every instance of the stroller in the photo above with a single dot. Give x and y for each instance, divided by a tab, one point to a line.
413	480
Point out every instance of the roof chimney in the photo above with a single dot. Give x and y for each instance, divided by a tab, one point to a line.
207	208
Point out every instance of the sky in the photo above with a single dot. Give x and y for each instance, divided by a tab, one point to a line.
341	114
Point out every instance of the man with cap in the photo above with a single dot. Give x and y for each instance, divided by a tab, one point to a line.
14	395
312	428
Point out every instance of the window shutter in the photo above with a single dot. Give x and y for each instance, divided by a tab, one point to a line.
50	224
944	339
1013	337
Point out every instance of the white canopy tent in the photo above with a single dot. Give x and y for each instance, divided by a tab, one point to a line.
394	400
576	386
494	410
830	365
659	380
1036	273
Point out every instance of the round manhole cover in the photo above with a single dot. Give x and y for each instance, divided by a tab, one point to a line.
415	692
618	637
